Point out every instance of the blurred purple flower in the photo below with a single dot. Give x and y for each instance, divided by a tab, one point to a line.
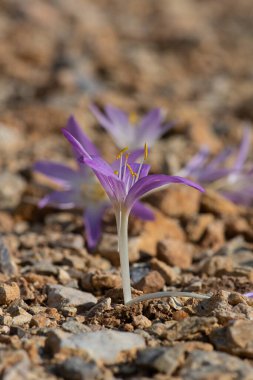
250	295
80	188
125	131
227	173
125	182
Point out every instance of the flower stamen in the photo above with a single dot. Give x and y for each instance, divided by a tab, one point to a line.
120	154
144	159
133	174
145	151
125	166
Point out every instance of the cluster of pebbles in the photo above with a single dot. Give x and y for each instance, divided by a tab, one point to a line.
61	308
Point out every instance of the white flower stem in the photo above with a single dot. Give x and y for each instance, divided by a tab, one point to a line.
173	293
122	225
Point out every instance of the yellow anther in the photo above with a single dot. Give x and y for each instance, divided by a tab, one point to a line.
116	172
145	151
133	118
122	152
133	174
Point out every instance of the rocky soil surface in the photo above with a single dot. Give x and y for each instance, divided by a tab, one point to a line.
61	309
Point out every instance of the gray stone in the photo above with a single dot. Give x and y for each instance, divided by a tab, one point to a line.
202	365
61	296
45	268
11	189
75	327
105	345
14	365
162	359
236	338
224	307
72	241
21	319
10	139
6	264
76	368
188	328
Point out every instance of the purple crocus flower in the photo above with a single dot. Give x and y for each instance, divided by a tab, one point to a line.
224	173
125	131
125	183
80	188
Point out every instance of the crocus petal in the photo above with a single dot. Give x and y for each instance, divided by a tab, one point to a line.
93	220
101	118
151	127
144	169
58	173
153	182
208	176
250	294
243	150
220	158
59	199
150	121
117	116
99	165
79	135
116	123
137	153
142	211
196	163
165	128
78	148
243	196
112	185
154	116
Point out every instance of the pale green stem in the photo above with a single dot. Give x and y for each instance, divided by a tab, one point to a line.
175	293
122	226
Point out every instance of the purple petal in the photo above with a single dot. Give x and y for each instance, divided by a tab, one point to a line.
74	129
166	127
142	211
144	169
58	173
112	185
137	153
152	119
101	118
133	156
242	196
197	162
208	176
118	117
78	148
153	182
250	294
220	158
151	127
115	122
59	199
93	221
99	165
243	150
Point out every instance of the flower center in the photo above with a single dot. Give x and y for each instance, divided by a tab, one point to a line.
133	118
124	165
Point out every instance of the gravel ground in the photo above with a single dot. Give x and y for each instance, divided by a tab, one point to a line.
61	309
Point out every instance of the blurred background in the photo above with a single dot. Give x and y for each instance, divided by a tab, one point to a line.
193	58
